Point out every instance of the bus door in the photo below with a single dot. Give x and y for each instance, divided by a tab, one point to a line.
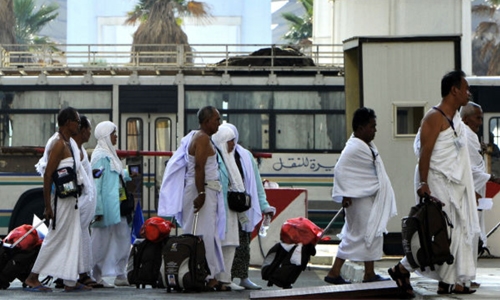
147	132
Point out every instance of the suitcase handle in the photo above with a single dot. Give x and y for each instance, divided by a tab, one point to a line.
195	223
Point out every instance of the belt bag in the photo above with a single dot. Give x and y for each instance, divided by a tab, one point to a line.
238	201
65	182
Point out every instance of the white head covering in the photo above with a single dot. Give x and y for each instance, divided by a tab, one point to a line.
220	139
104	146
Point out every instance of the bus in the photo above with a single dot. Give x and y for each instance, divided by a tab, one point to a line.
289	103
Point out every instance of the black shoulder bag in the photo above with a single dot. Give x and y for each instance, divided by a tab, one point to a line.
66	185
238	201
127	203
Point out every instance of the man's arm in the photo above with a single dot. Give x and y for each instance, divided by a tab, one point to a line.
429	132
55	157
202	150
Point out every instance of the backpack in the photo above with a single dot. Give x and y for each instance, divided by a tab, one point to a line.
16	264
277	268
184	266
144	264
425	235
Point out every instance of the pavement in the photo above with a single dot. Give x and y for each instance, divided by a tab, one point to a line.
488	274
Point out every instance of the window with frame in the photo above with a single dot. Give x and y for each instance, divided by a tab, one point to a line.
407	118
286	121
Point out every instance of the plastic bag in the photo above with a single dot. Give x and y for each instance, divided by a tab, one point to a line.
301	230
156	229
28	243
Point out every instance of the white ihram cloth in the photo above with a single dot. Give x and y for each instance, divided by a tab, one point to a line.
172	187
208	215
479	174
87	205
177	193
360	175
450	180
61	251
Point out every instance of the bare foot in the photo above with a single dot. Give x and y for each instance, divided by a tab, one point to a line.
32	281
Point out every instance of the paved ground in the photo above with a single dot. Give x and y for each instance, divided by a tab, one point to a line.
488	275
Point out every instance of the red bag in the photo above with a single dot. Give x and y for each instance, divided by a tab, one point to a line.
156	229
28	243
301	230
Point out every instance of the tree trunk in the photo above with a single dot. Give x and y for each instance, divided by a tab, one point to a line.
7	22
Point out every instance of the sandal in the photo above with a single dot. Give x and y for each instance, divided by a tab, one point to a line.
403	281
446	289
222	287
336	280
86	280
77	288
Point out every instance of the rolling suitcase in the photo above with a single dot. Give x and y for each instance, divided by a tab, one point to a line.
184	265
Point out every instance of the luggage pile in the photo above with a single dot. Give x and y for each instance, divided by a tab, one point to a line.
18	252
164	261
145	257
287	259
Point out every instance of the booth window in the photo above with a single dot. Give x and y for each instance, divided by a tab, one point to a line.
407	118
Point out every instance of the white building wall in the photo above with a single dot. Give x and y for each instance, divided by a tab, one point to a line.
350	18
234	22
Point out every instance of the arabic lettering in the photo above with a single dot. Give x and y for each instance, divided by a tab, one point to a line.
302	162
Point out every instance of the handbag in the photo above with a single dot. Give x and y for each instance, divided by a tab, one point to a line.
65	180
127	202
239	201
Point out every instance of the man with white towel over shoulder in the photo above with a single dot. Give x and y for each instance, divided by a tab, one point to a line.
363	188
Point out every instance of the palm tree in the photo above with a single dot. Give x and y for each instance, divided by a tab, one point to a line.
160	22
7	22
300	27
29	21
486	40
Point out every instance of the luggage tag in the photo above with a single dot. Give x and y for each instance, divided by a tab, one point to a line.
123	194
458	143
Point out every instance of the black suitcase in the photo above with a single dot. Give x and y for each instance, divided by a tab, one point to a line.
184	266
144	264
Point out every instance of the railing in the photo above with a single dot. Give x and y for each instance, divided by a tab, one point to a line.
119	59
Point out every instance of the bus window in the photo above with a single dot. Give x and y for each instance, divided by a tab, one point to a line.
134	134
492	141
163	129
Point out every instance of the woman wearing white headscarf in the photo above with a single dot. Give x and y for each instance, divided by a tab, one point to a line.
260	206
110	232
230	179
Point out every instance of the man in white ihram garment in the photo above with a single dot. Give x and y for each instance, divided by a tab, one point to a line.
472	116
191	185
444	172
61	253
363	187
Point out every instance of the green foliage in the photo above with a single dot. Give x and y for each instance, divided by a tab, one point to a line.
30	21
300	27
